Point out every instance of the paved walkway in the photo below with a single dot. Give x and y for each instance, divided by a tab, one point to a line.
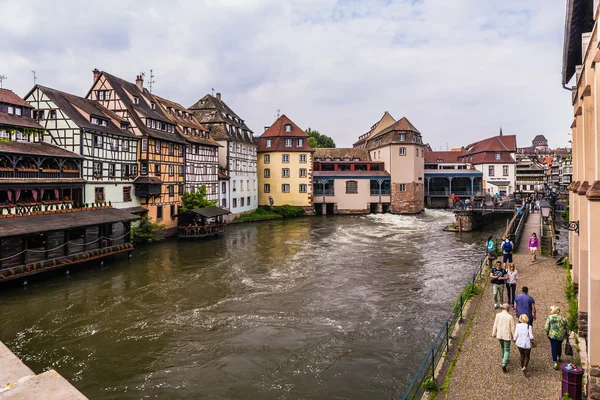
478	373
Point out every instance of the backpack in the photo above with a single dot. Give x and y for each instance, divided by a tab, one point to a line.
507	246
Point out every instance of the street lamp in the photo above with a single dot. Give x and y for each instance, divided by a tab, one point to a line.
546	208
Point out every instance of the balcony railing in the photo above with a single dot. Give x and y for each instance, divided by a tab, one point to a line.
384	192
31	173
328	192
447	193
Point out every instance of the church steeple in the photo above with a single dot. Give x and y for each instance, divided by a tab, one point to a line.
500	131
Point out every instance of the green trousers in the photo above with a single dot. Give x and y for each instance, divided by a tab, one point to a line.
499	294
505	347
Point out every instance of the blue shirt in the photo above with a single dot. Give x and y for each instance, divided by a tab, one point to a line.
524	303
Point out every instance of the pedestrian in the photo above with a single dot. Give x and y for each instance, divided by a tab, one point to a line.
491	250
557	331
525	304
534	244
511	284
499	276
452	198
504	326
519	211
507	249
523	338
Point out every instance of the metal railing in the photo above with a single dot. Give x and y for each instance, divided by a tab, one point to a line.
441	342
516	236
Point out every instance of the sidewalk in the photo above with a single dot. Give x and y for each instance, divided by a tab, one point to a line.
478	373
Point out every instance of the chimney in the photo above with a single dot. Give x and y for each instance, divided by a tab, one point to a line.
219	96
266	127
96	74
139	81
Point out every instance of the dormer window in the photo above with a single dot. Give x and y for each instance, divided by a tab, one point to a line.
52	114
98	121
153	106
288	142
288	127
185	130
269	142
498	156
402	137
136	100
21	136
4	134
124	125
299	142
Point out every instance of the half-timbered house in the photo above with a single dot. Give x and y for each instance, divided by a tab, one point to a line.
202	155
34	176
161	153
238	154
86	127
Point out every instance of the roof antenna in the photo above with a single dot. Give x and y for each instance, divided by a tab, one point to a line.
34	78
2	78
500	130
447	146
278	110
152	81
213	92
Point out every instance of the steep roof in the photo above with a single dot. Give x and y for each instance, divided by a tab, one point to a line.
385	121
361	154
402	124
10	97
278	129
494	144
277	134
72	106
37	148
445	156
217	114
19	120
540	138
579	19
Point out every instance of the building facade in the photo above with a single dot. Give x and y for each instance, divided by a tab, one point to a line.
284	165
237	154
580	55
346	181
400	147
161	152
530	175
202	154
103	138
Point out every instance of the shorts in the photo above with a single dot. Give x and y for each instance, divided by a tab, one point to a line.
507	258
533	248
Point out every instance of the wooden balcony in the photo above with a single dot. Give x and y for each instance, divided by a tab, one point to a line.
33	173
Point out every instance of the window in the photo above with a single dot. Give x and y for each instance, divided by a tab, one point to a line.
498	156
18	111
402	187
379	154
98	141
171	149
303	158
115	144
126	193
241	202
181	150
234	203
233	186
402	151
144	168
157	147
285	172
267	173
159	210
144	145
299	142
98	194
97	168
288	128
223	187
402	137
285	158
248	200
491	170
267	158
11	109
98	121
417	152
153	106
4	134
136	100
285	188
52	114
267	188
38	115
302	172
269	142
351	187
125	145
171	170
173	212
303	188
171	190
157	169
288	142
505	170
180	189
224	203
20	136
112	170
129	170
180	170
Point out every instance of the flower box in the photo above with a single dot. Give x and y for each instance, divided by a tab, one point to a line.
50	170
6	169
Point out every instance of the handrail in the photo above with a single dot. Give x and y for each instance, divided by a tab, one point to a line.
441	341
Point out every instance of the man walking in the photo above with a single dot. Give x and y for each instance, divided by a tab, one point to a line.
499	276
504	326
507	249
525	304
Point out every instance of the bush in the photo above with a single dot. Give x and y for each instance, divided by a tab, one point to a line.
430	385
470	291
287	211
572	312
145	232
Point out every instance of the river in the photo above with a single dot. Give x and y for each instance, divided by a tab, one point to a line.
337	307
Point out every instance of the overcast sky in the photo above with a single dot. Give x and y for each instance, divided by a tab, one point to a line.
457	69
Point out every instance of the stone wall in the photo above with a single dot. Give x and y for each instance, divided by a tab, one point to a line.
594	383
410	201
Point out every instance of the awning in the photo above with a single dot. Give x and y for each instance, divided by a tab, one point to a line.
153	180
207	212
135	210
60	221
499	183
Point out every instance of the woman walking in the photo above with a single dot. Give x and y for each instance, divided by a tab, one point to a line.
557	331
491	250
534	244
523	338
511	284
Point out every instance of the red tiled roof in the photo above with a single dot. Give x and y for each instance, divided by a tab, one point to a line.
10	97
350	173
403	124
278	129
495	143
445	156
18	120
37	148
277	134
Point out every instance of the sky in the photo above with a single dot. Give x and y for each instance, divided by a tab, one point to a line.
457	69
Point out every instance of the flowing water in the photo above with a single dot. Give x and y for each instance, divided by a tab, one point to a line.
337	307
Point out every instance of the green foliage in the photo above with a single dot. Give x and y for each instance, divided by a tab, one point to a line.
572	312
287	211
470	291
316	140
566	396
260	213
2	140
430	385
197	199
145	232
565	214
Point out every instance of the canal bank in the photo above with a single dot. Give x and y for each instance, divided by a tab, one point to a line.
343	305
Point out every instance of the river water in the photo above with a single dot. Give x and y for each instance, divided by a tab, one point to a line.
337	307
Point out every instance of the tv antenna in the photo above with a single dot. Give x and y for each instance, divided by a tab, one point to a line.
213	92
277	116
2	78
152	81
34	78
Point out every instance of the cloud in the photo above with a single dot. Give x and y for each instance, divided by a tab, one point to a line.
458	69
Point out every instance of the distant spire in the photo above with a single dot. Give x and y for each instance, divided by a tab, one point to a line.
501	131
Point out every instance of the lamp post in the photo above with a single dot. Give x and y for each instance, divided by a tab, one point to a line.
547	208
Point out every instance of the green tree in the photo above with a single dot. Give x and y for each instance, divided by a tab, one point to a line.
196	199
316	140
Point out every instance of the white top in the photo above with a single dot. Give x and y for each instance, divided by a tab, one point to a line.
523	335
512	276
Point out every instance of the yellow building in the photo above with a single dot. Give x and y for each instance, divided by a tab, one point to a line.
581	55
284	166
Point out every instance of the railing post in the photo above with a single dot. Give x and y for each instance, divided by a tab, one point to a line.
432	361
460	318
447	335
